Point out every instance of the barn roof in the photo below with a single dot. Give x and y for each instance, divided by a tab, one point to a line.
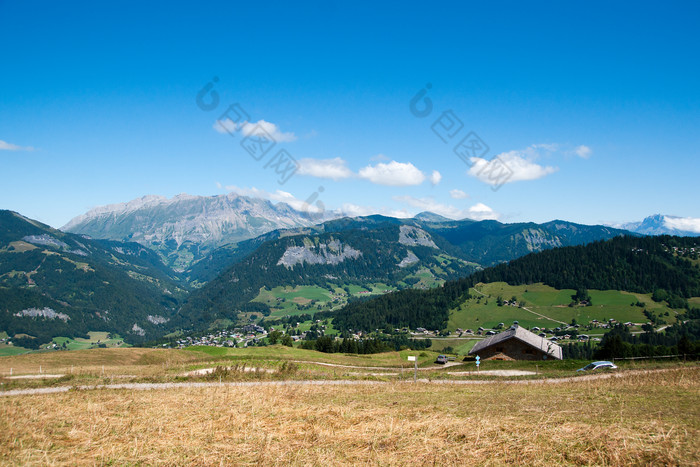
523	335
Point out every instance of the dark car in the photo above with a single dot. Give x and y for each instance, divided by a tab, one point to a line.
442	359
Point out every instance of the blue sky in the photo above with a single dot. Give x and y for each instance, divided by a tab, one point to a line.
590	111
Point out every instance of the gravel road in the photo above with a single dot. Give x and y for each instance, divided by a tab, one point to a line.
154	386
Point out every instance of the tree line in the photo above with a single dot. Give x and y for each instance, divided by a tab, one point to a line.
634	264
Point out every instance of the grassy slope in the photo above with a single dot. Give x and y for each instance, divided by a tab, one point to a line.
95	339
292	300
459	346
386	359
474	313
649	419
551	303
161	365
9	350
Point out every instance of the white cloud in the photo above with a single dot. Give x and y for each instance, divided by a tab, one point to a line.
519	165
583	151
689	224
295	203
393	174
458	194
261	128
511	166
5	146
477	212
481	212
334	169
278	196
225	126
354	210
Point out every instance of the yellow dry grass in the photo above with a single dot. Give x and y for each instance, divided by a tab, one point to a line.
640	419
117	360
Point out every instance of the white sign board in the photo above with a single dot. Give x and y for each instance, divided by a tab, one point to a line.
411	358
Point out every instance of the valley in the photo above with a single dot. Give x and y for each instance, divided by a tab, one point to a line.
333	272
349	234
277	335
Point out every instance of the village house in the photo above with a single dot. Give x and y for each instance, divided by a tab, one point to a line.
516	344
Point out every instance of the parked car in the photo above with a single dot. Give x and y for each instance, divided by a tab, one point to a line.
598	366
442	359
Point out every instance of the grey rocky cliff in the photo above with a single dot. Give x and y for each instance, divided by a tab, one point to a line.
332	252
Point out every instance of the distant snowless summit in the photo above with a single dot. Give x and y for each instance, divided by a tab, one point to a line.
184	228
660	224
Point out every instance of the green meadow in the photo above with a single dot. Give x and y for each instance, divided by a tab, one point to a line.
310	299
96	339
546	306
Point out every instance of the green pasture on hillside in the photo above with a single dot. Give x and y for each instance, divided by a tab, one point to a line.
552	304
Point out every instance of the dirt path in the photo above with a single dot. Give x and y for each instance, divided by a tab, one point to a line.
208	371
154	386
384	368
543	316
527	309
492	372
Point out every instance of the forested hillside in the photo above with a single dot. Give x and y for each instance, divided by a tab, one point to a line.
483	242
665	266
58	284
491	242
386	253
635	264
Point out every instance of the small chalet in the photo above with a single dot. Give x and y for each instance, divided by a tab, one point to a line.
516	344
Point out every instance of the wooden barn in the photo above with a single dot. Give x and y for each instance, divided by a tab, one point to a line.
516	344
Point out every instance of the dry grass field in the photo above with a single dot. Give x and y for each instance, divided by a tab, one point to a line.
648	419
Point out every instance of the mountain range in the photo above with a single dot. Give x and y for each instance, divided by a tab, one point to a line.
184	229
365	251
200	236
660	224
155	265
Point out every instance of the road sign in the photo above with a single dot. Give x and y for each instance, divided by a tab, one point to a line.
412	358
